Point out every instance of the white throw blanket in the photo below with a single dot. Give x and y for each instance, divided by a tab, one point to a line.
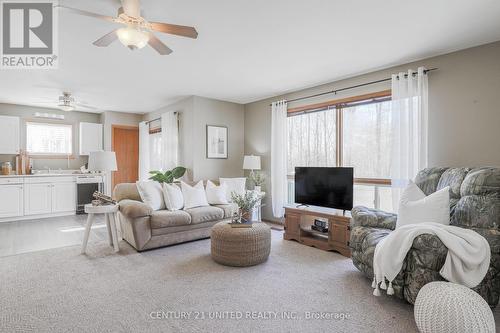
467	261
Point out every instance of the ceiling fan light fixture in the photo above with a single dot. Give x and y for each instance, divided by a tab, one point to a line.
133	38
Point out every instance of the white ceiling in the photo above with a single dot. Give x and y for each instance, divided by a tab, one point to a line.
247	50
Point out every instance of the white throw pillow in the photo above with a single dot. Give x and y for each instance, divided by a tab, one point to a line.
174	200
237	185
415	207
151	194
194	196
216	195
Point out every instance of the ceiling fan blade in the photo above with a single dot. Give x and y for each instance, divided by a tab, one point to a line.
89	14
132	7
106	39
158	45
179	30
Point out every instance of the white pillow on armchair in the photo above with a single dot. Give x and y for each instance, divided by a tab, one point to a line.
415	207
237	185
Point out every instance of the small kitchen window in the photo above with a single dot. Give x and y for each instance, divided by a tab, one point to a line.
49	139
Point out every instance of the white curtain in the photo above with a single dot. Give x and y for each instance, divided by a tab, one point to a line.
409	128
170	140
144	157
279	145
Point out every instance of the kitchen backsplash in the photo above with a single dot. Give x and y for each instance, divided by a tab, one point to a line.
53	164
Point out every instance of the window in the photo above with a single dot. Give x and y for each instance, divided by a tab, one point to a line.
354	132
49	139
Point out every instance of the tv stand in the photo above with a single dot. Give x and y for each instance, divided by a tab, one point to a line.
302	205
298	223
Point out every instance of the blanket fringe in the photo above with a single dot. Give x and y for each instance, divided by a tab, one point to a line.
383	285
390	290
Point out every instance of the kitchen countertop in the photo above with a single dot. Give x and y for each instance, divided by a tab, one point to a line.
52	175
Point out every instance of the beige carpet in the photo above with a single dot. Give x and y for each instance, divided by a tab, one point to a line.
60	290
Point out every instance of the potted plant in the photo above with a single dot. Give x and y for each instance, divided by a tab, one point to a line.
246	204
258	179
168	176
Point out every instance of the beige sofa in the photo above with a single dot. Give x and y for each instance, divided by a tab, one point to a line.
146	229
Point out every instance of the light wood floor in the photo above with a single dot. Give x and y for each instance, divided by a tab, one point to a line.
35	235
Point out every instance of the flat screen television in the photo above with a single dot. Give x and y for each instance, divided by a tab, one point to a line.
324	187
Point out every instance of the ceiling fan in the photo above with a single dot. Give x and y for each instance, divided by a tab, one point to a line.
67	102
138	32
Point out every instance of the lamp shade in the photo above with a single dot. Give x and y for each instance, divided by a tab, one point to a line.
251	162
102	161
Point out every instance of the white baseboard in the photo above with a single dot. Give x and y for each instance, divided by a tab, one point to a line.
35	217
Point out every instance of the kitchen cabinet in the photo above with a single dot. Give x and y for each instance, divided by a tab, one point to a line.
90	138
46	195
32	197
63	197
11	200
37	199
9	135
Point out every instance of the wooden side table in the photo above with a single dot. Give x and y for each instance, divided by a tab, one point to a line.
109	212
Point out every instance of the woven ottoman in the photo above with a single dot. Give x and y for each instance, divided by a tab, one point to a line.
445	307
240	246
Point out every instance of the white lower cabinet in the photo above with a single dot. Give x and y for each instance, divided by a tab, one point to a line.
33	196
37	199
63	197
11	200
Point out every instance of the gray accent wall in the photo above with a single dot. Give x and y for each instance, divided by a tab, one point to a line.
195	113
464	109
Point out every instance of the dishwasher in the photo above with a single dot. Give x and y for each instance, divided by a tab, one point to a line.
86	185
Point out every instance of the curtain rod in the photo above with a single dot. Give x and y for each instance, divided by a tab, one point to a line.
351	87
156	119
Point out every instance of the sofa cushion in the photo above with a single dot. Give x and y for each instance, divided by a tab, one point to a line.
182	228
205	214
166	218
228	209
453	178
428	179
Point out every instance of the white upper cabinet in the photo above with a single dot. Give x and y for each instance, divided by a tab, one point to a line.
90	138
9	135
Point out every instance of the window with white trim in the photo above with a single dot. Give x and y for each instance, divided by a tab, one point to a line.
49	139
356	134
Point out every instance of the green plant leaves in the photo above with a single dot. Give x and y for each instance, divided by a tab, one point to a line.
178	172
168	176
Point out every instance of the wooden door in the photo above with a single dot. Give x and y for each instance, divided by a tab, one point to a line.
125	143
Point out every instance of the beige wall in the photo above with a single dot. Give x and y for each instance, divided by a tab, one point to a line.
26	113
464	109
195	113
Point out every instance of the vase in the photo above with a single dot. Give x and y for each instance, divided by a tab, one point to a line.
245	217
257	188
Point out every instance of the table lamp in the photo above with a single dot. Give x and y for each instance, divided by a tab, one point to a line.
104	161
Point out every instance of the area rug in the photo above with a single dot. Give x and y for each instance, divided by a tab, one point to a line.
180	289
